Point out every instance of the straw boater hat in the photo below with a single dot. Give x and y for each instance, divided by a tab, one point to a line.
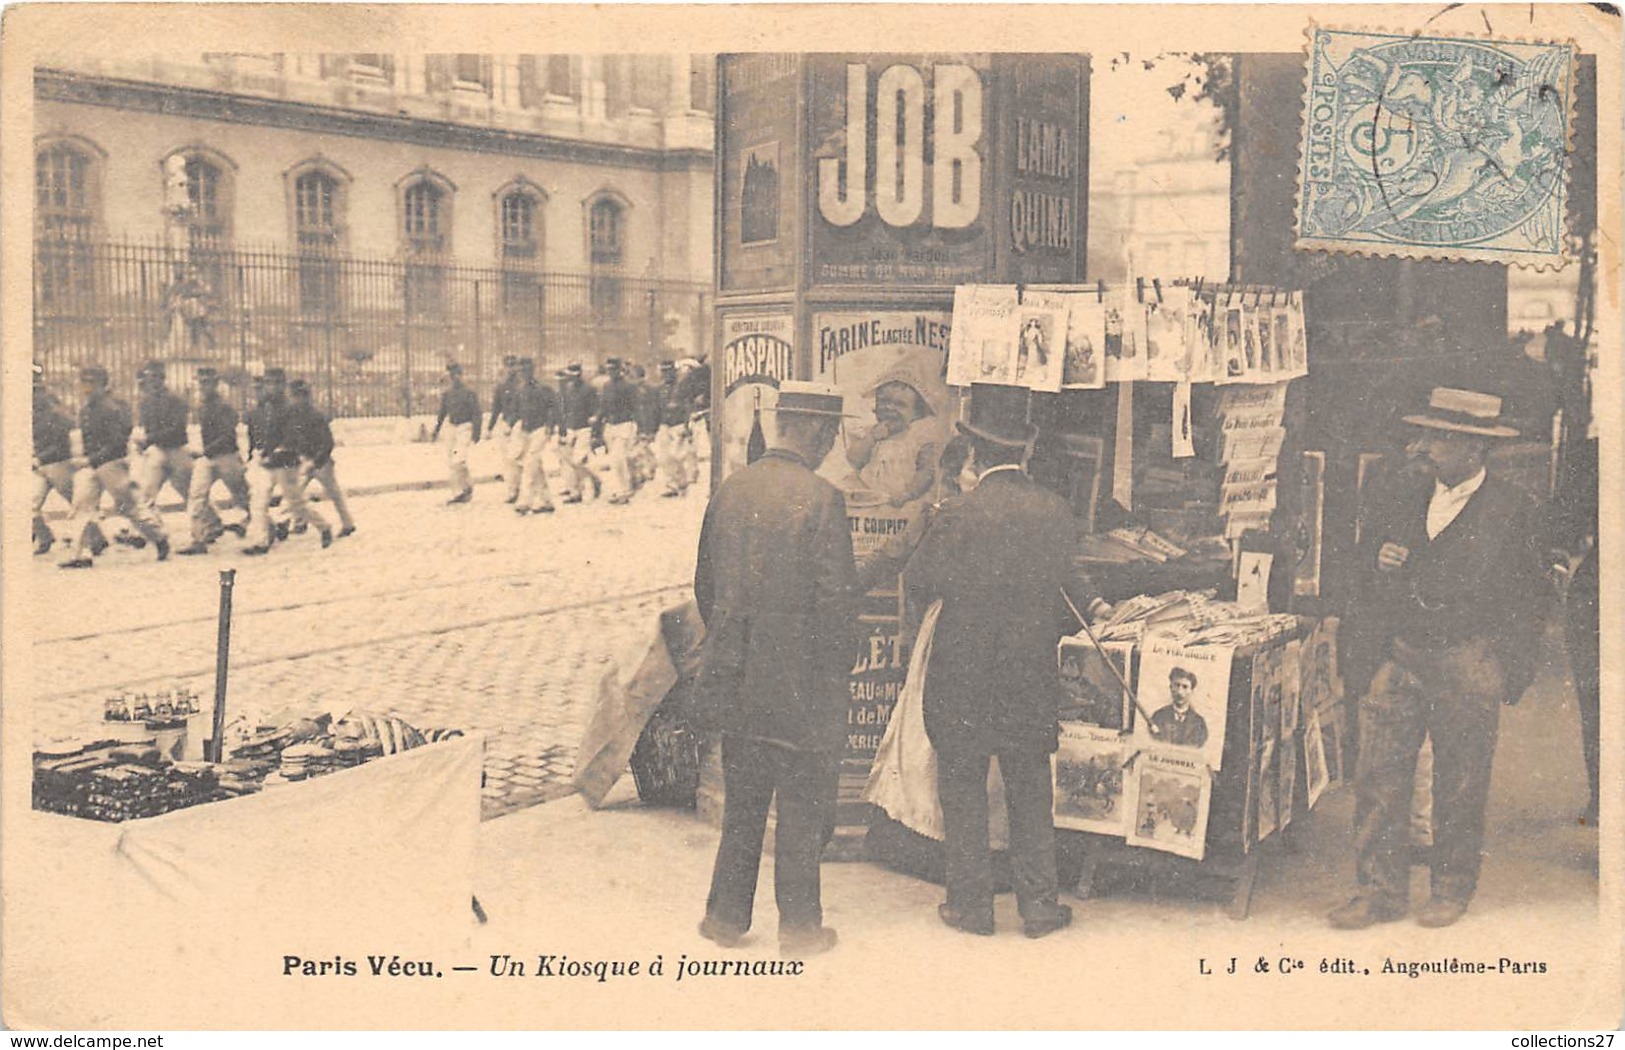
810	399
998	414
1463	412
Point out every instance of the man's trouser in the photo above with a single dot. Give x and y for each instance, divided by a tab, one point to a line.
328	476
1452	695
1029	797
226	468
536	494
513	445
670	470
618	439
88	485
458	437
574	450
753	772
155	465
688	443
48	476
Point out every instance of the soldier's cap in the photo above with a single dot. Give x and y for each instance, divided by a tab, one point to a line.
510	360
275	375
562	373
612	364
668	366
299	386
205	374
39	373
454	368
573	368
526	364
152	368
93	374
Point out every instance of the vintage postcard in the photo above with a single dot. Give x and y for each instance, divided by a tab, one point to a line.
590	517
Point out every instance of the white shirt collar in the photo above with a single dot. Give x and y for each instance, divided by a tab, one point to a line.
994	470
1448	501
1464	489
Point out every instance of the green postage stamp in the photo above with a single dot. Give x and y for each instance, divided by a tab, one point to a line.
1436	147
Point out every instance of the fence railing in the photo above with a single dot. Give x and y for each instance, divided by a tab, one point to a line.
372	335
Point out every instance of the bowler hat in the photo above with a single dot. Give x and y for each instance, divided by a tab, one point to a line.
1463	412
998	414
809	399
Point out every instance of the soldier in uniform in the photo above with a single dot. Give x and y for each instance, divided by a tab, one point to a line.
617	411
265	425
312	437
577	406
164	456
217	421
53	453
648	420
672	470
104	423
538	416
283	459
459	406
501	428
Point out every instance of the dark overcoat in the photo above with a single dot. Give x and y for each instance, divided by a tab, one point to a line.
998	557
775	584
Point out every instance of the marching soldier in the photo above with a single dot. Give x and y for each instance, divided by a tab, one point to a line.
577	407
505	411
165	456
283	461
265	425
459	406
312	437
104	423
674	412
220	460
539	410
644	461
617	411
53	454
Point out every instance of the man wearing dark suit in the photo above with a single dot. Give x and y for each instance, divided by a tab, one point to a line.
1453	601
998	557
1177	723
774	582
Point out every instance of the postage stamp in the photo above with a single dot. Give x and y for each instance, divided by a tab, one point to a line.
1435	147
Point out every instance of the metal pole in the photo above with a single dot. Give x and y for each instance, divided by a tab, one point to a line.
222	657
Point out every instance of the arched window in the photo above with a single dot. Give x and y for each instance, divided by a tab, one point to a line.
518	223
66	204
208	217
317	218
424	222
67	212
605	222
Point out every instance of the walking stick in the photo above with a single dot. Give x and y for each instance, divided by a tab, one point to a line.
222	656
1133	697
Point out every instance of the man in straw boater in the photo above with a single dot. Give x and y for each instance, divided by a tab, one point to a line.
1452	597
998	557
775	583
105	425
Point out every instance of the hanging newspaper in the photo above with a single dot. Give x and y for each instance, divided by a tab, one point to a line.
1125	337
1168	800
1089	780
1169	354
1002	337
1085	342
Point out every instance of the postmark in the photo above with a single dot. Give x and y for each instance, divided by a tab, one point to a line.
1436	147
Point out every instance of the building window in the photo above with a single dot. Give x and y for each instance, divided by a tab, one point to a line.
423	220
316	211
648	72
472	72
208	193
561	78
604	232
66	212
518	222
702	83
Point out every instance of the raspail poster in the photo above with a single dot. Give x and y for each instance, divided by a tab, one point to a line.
1184	692
889	366
1089	780
758	354
1094	694
1168	797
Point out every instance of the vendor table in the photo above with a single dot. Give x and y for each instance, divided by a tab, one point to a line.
379	857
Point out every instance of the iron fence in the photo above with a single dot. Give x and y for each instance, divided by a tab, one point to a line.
372	335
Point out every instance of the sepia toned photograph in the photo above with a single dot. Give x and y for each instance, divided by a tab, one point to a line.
617	517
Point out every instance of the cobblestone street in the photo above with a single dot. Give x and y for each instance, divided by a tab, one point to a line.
469	617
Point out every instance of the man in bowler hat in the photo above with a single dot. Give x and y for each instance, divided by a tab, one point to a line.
1450	599
997	557
775	582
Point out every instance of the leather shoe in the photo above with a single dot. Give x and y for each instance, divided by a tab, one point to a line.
77	563
799	942
461	497
195	548
162	547
980	925
1047	920
327	538
1365	911
237	529
725	934
257	548
348	530
1440	911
